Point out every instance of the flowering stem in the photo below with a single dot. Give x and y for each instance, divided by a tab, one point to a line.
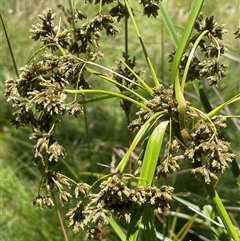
60	219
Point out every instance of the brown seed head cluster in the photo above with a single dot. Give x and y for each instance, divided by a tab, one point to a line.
163	101
206	145
211	69
115	197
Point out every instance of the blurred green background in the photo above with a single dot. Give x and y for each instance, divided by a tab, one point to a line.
108	136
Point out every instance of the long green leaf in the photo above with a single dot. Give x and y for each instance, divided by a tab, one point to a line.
148	221
144	84
117	229
197	5
169	25
174	74
149	63
134	225
102	76
136	140
107	92
190	57
146	177
106	97
152	153
216	110
222	212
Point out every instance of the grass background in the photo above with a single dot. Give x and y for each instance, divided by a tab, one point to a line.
108	136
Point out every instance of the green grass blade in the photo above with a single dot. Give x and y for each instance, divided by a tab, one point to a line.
222	212
174	73
169	25
134	225
149	224
115	73
144	84
184	40
216	110
146	177
136	140
202	95
118	231
149	63
106	97
190	57
94	72
152	153
9	47
107	92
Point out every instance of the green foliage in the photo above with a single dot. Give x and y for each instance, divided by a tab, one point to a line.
57	98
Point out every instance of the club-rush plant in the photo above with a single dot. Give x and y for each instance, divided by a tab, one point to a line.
170	129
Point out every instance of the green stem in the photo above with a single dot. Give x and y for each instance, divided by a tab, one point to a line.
141	81
106	97
100	7
9	46
116	83
191	55
60	219
72	16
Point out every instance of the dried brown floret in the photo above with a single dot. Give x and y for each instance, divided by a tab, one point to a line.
81	188
76	217
168	165
41	202
64	197
237	33
150	7
120	11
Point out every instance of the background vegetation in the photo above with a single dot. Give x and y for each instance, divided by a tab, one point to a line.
107	134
